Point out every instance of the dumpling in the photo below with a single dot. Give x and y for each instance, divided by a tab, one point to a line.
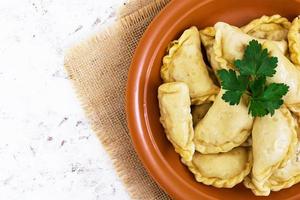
272	27
199	111
288	175
286	73
294	41
274	139
184	63
259	29
207	36
222	170
223	127
176	118
230	43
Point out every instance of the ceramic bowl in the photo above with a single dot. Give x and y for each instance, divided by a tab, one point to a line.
151	144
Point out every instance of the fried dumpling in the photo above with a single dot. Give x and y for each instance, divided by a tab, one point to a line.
176	118
222	170
273	142
230	43
199	111
184	63
223	127
288	175
294	41
272	27
286	73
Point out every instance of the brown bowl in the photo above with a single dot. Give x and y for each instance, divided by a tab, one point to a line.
148	136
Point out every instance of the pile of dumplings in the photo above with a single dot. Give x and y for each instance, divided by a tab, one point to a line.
221	144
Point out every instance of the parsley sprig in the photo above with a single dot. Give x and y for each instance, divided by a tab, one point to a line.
250	79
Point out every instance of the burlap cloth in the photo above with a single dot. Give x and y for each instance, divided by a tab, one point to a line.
98	69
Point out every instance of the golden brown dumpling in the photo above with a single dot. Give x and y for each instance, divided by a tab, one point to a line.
272	27
286	73
222	170
223	127
274	139
294	41
230	43
184	63
176	118
199	111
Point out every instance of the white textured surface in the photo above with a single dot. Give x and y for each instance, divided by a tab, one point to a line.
47	149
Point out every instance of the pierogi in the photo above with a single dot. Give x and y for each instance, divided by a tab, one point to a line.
222	170
223	127
176	118
221	143
274	139
184	63
294	41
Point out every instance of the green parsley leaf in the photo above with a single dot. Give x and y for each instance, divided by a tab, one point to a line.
274	91
269	100
246	67
267	67
257	108
232	97
256	61
231	81
271	106
257	86
234	84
